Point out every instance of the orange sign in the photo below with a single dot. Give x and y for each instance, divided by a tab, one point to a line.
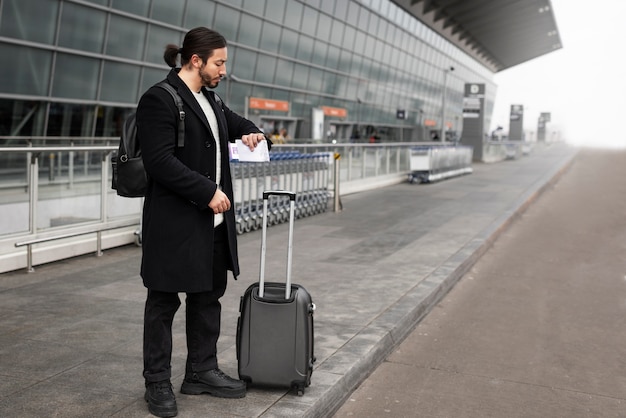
268	104
338	112
430	122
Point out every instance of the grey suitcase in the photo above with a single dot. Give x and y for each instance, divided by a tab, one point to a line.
275	326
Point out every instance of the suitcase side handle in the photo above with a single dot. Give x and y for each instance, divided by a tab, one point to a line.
292	210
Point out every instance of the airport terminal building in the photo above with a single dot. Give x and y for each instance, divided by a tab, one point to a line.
77	67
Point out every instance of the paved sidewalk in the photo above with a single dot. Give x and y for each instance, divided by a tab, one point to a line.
536	327
70	333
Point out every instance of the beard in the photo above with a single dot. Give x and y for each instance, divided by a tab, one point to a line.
207	80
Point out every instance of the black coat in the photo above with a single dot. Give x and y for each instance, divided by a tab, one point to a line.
178	225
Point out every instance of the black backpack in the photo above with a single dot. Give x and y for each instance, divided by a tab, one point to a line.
129	177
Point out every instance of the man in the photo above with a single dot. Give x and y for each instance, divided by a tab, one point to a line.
189	237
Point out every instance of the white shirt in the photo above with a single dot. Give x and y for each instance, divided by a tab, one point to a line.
210	115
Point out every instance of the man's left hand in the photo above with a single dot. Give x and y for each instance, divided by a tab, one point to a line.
252	140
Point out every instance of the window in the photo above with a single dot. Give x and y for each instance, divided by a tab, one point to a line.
309	22
158	39
324	25
119	82
266	68
336	35
81	28
284	73
34	70
75	77
167	11
226	22
275	10
121	31
199	13
249	30
244	64
293	15
138	7
270	37
31	20
289	43
305	48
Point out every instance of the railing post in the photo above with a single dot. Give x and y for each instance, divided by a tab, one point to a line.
337	201
33	192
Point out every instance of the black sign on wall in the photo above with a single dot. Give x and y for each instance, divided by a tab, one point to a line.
474	118
516	123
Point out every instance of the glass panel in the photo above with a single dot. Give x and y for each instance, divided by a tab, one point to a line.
199	13
254	6
60	203
34	70
309	21
324	26
319	53
284	73
167	11
345	60
270	37
315	79
275	10
249	30
226	22
82	28
332	57
110	120
336	36
300	76
293	15
119	82
151	76
159	37
305	48
341	8
66	119
364	22
266	67
359	43
31	20
328	6
75	77
288	43
353	14
348	38
121	30
21	118
138	7
244	64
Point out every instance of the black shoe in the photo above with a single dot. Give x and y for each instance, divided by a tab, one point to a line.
214	382
161	400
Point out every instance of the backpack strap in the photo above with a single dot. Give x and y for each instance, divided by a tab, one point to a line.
181	112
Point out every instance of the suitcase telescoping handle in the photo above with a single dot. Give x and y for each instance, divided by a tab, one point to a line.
292	205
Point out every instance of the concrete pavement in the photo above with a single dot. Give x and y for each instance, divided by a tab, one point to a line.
70	333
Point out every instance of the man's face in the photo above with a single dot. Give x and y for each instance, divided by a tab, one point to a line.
214	69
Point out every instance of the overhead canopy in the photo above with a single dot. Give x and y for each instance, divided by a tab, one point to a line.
498	33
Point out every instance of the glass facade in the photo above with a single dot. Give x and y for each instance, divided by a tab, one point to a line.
80	66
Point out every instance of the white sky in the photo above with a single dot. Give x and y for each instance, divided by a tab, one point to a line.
582	85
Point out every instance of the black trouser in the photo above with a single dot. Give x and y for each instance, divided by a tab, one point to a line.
203	316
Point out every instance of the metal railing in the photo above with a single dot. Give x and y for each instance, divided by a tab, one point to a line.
60	192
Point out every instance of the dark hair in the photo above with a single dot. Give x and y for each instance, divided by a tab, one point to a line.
201	41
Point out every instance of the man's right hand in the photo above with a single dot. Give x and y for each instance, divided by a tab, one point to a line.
220	202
